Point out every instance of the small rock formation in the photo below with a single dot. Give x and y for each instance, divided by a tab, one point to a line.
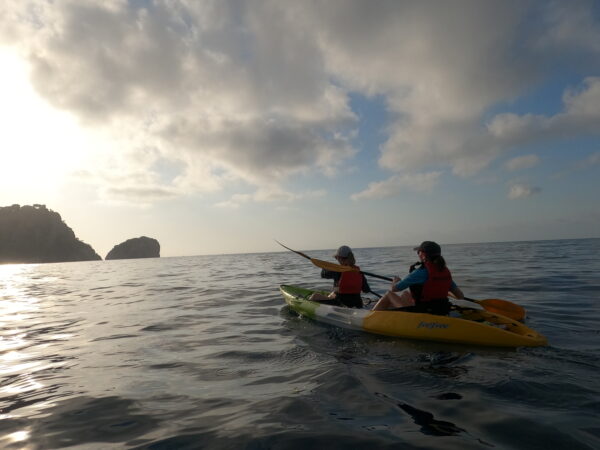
142	247
35	234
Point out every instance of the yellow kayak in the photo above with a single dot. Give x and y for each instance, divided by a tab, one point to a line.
471	326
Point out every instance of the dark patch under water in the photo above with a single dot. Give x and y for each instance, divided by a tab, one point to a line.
200	352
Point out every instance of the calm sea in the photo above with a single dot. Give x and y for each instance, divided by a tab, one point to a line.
201	352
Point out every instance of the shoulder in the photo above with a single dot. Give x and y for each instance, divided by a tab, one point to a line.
418	275
421	270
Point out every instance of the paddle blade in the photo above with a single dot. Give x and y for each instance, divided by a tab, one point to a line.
504	307
499	306
466	304
333	267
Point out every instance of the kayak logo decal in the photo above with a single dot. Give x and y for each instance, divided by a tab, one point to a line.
432	325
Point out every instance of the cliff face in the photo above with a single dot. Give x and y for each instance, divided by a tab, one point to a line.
142	247
35	234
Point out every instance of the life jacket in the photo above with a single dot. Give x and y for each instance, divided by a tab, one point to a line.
351	282
436	287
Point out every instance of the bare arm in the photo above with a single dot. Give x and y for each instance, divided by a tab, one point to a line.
394	282
457	292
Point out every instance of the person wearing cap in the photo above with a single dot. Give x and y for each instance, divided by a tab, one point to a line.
347	286
426	288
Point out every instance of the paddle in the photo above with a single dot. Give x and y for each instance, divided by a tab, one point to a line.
334	267
502	307
495	305
465	304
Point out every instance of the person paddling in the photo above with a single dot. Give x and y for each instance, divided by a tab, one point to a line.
347	286
428	285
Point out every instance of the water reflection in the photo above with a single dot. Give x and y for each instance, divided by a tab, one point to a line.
14	303
16	437
429	424
81	420
17	366
445	364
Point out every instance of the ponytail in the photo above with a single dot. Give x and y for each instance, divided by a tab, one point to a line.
351	259
439	262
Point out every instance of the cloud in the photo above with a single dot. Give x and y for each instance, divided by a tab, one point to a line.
268	195
591	161
520	190
420	182
572	27
239	90
258	92
427	66
141	175
439	81
581	116
522	162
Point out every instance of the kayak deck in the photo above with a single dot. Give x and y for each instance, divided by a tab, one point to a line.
471	327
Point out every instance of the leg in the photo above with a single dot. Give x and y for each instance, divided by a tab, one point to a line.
393	300
316	297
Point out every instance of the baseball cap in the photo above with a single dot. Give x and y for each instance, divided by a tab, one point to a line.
343	252
429	248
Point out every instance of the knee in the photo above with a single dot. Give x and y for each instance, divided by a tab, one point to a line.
382	303
389	295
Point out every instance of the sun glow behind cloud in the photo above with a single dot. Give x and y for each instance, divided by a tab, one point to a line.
41	145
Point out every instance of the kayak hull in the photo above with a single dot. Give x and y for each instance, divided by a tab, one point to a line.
474	327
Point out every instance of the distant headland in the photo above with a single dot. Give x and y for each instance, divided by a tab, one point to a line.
142	247
36	234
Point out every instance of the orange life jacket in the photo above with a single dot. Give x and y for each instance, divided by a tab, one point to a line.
351	282
437	285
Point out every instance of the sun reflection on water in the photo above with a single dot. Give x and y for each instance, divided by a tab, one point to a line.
15	308
15	304
16	360
17	436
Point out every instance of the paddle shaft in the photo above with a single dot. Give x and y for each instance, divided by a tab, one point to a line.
381	277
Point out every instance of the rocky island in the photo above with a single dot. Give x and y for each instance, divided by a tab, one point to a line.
142	247
35	234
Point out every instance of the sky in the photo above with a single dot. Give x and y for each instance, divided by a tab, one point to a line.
219	126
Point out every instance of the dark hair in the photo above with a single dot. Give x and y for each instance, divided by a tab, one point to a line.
351	259
437	260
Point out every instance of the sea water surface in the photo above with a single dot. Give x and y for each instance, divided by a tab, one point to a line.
202	352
